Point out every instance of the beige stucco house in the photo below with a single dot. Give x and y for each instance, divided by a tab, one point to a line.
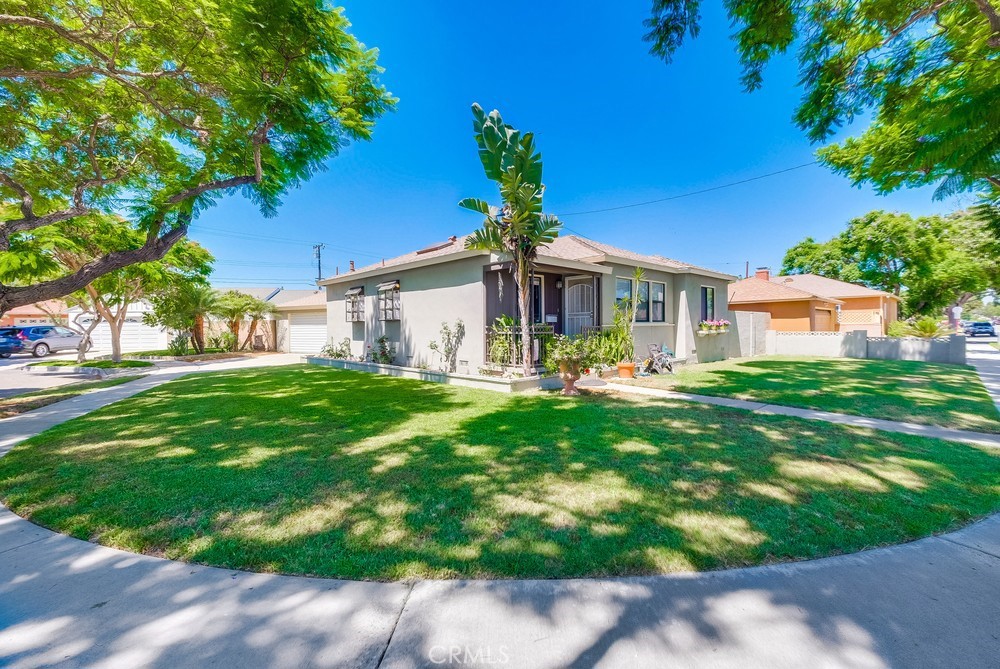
812	303
574	288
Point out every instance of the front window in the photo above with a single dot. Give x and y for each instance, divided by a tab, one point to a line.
658	302
536	300
707	303
355	304
642	308
623	292
388	301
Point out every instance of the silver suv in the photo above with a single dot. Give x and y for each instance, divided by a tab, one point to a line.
41	340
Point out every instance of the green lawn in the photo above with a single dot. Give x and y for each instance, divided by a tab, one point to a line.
12	406
98	364
320	471
901	390
165	353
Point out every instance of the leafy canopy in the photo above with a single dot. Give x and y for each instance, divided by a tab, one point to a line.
518	227
930	262
927	72
155	109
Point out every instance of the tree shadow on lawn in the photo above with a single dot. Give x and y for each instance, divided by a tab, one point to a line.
902	390
344	474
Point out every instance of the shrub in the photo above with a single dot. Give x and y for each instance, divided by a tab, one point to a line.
381	353
178	345
341	351
898	329
451	339
581	351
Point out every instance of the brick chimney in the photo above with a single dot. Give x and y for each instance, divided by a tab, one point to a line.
763	273
352	266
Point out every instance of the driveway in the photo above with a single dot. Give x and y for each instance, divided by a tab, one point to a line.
15	381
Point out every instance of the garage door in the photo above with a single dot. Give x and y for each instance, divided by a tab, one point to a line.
307	332
824	320
136	336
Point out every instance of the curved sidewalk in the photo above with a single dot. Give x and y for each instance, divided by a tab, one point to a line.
66	602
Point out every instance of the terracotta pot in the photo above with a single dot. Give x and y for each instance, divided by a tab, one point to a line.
569	373
626	370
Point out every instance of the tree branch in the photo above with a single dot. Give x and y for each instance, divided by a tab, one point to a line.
987	8
153	249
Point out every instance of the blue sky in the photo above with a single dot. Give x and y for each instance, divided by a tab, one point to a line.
614	124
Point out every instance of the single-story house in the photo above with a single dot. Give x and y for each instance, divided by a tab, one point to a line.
298	326
813	303
42	313
574	288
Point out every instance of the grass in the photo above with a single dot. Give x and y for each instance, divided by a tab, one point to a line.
11	406
167	354
901	390
312	470
98	364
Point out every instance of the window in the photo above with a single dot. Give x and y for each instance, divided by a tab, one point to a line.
355	303
623	292
64	332
536	300
707	303
388	301
642	308
658	302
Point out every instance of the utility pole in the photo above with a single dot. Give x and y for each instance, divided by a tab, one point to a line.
318	254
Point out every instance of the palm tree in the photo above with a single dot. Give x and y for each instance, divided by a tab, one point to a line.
519	227
233	307
197	302
257	310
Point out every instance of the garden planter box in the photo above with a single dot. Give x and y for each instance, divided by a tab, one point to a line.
494	383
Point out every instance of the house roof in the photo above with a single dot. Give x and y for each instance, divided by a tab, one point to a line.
567	247
821	285
296	300
44	307
753	290
260	292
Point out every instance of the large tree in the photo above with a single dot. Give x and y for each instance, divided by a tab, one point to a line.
925	70
929	262
156	109
518	227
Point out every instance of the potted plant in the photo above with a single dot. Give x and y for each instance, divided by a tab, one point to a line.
569	356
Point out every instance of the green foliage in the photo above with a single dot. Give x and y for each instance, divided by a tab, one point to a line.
178	345
381	352
451	339
225	341
929	262
580	351
617	343
898	329
927	327
184	307
519	227
925	71
157	109
341	351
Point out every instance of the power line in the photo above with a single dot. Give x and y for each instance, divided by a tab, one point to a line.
688	194
279	240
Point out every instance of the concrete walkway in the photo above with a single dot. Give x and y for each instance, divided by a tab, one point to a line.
986	360
66	602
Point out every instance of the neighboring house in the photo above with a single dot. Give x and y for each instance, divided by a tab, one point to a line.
575	286
42	313
812	303
299	326
136	335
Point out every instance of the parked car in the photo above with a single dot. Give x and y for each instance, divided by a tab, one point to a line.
10	345
44	339
980	328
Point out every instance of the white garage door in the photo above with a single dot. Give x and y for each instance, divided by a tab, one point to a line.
136	335
307	332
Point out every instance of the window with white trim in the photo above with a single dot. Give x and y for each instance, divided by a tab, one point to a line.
623	292
707	303
355	304
388	301
658	302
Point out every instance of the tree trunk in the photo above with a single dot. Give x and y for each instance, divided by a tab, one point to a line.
251	331
522	279
198	334
81	350
116	334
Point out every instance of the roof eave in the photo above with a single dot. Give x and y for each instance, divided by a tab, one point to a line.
413	264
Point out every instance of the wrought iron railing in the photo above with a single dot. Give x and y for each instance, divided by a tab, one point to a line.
503	343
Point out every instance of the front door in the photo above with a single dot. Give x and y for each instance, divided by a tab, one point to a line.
579	304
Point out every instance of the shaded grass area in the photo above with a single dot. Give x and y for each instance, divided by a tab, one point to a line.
901	390
314	470
98	364
164	353
12	406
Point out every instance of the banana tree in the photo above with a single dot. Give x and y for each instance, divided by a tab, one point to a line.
518	227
